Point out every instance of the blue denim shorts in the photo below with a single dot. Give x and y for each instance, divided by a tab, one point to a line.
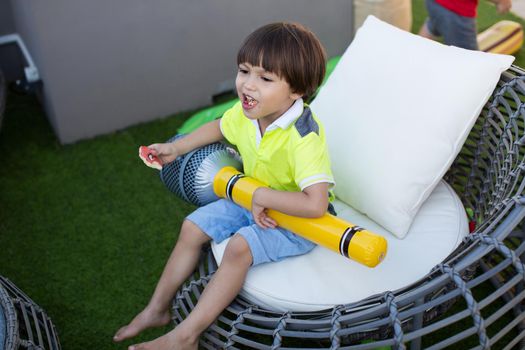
223	218
456	30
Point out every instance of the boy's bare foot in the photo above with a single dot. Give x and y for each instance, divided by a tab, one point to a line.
169	341
148	318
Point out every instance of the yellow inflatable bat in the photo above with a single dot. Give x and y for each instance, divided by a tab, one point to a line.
505	37
329	231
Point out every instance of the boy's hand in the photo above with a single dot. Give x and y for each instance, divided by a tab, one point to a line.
149	159
165	152
259	213
503	6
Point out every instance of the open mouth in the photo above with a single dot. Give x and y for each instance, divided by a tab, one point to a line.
248	102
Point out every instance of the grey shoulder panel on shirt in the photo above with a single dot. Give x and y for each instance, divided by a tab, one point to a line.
306	123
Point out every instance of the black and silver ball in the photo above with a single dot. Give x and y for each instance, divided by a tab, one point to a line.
191	176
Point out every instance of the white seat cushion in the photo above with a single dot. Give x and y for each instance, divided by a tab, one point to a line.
322	278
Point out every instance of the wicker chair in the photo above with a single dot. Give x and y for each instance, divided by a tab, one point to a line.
473	299
25	324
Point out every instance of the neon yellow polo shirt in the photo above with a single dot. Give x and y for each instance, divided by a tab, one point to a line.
292	153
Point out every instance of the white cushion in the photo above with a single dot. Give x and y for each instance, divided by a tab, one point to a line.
397	110
323	278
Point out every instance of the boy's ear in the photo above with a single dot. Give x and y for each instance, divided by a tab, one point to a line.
295	96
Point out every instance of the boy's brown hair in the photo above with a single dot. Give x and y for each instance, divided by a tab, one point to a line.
289	50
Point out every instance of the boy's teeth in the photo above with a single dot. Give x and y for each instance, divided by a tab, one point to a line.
250	100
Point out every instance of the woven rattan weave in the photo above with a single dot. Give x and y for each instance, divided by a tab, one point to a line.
473	299
27	325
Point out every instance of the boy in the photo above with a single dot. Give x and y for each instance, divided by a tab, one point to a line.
282	144
455	21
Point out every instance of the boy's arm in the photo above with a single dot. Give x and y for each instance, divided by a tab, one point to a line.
206	134
312	202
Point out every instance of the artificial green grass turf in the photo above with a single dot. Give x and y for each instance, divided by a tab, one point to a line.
85	229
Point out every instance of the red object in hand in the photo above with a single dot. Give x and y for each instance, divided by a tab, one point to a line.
149	159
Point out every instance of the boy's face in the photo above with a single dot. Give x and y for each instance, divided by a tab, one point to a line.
264	95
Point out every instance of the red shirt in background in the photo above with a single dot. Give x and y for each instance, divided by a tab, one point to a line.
465	8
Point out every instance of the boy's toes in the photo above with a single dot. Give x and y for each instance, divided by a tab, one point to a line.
119	336
146	319
124	333
141	346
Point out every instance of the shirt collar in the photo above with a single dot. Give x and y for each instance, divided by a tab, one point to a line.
287	118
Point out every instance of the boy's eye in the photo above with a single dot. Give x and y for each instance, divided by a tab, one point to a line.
243	71
266	79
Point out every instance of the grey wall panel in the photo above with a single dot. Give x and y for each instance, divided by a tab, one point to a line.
106	65
10	58
7	25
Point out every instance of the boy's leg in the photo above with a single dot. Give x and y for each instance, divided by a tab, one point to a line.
180	265
218	294
252	245
428	29
425	32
